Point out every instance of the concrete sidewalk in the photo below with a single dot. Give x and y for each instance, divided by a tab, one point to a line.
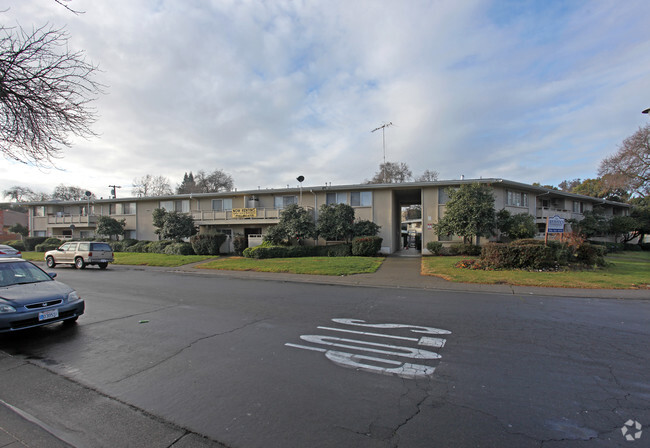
402	270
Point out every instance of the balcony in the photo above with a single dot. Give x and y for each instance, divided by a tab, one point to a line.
547	212
61	219
245	215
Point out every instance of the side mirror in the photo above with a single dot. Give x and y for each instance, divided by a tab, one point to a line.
52	274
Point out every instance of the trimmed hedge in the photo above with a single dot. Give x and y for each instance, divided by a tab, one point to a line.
32	241
337	250
464	249
366	246
140	246
261	252
208	244
179	249
533	255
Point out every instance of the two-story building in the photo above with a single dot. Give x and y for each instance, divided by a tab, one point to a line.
252	212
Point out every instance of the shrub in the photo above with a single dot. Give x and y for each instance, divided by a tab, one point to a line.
590	255
208	244
121	246
239	243
16	244
158	247
645	246
336	250
179	249
435	247
32	241
44	247
140	246
632	247
53	240
464	249
261	252
518	256
365	228
366	246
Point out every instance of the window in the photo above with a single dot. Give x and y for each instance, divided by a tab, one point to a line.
130	234
517	199
219	205
336	198
361	198
443	195
39	211
578	207
181	205
85	247
128	208
113	209
285	201
39	233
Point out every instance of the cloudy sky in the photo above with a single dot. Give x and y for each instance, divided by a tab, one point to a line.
531	91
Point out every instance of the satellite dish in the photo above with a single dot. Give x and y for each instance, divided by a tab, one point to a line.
300	178
88	193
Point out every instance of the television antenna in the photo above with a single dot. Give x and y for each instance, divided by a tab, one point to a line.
114	190
383	140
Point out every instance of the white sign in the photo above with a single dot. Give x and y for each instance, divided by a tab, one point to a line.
415	365
555	225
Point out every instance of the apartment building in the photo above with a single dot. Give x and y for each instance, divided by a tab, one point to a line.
252	212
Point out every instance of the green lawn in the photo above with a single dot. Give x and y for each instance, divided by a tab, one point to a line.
139	259
627	270
303	265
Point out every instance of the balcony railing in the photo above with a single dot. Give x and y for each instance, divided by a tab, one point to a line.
236	214
71	219
546	212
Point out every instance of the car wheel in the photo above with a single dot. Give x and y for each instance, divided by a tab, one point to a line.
79	263
50	262
102	265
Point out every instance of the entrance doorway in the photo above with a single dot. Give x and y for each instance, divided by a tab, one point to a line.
407	222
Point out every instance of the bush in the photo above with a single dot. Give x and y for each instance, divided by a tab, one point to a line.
590	255
365	228
32	241
366	246
158	247
518	256
140	246
44	247
179	249
121	246
336	250
208	244
632	247
239	244
645	246
464	249
435	247
16	244
261	252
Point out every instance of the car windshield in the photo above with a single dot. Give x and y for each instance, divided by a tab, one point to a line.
21	273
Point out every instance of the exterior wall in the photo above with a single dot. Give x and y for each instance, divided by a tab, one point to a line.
384	209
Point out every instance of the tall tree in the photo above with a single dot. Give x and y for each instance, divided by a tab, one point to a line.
296	223
468	213
629	168
45	91
203	182
110	227
392	173
188	185
20	194
151	186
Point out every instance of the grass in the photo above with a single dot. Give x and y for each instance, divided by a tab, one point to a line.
140	259
627	270
303	265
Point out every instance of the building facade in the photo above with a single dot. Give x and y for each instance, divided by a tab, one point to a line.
251	213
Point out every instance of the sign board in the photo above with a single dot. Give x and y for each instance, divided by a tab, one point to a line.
555	225
244	213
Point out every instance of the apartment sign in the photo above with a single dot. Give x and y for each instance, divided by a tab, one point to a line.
244	213
555	225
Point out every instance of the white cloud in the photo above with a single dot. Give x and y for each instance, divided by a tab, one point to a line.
270	90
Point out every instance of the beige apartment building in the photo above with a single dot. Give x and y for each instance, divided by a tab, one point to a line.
252	212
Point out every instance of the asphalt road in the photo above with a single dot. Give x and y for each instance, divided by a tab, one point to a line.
174	359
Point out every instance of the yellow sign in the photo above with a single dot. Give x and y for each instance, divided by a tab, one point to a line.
244	213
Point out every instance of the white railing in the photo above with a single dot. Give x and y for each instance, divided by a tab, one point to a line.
227	215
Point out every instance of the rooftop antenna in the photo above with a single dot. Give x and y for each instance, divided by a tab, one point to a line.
383	139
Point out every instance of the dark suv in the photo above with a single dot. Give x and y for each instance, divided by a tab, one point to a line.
80	254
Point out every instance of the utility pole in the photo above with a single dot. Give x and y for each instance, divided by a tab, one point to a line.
383	139
114	190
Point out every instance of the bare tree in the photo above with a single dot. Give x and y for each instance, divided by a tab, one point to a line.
45	91
69	193
151	186
629	168
20	194
391	173
428	176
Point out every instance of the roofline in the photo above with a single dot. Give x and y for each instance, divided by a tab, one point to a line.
315	188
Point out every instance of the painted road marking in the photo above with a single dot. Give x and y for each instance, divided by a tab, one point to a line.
424	340
376	364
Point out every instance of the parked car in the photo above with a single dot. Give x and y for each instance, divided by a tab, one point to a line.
9	252
30	297
80	254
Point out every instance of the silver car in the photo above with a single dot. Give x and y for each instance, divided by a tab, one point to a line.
29	297
9	252
80	254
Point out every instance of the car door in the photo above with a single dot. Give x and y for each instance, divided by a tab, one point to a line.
69	249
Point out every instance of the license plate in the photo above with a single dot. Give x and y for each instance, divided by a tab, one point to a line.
45	315
103	260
